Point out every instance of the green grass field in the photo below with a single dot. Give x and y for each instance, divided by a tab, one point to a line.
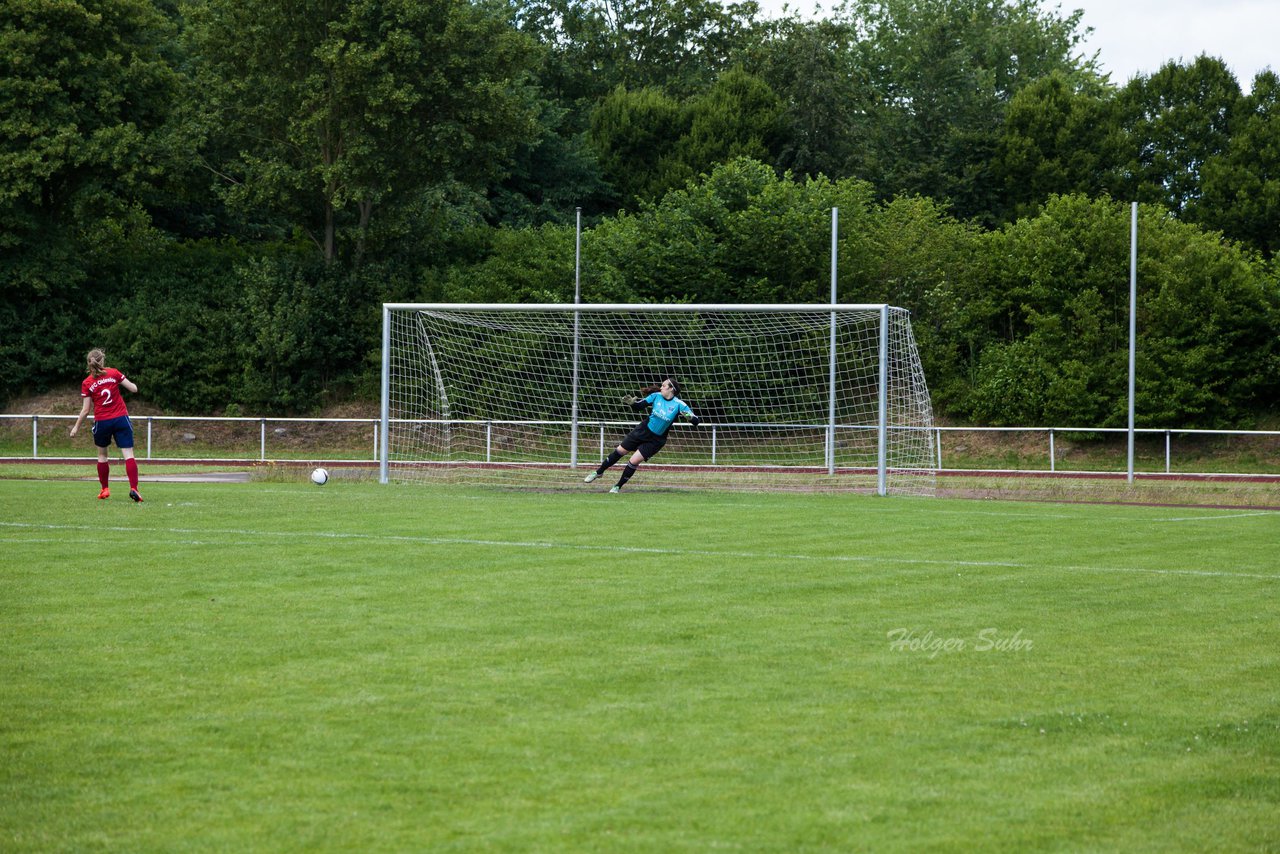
275	666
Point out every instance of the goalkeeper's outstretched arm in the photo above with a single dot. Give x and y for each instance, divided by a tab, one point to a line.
640	402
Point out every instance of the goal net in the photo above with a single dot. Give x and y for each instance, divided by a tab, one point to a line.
804	397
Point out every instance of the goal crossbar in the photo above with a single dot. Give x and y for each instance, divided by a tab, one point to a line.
644	308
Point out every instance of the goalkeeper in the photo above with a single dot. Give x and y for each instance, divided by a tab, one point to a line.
649	437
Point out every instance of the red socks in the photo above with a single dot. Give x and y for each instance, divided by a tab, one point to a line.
130	468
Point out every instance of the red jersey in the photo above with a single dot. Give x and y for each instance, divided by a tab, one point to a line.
108	402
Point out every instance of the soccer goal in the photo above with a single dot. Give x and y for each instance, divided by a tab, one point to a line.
803	397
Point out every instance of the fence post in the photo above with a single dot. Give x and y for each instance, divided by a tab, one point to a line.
35	436
713	444
1053	456
262	440
1168	451
939	432
375	441
148	437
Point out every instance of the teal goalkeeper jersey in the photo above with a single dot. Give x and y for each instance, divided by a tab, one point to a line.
665	412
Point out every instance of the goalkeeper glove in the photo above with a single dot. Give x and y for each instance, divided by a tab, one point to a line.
695	420
630	399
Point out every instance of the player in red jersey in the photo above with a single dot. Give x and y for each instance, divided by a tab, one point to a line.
101	391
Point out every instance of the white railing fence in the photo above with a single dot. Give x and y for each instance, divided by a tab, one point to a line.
245	430
356	440
1166	434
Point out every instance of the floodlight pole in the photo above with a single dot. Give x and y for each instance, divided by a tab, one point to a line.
577	316
1133	321
831	380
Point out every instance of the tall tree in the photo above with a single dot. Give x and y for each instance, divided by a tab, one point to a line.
1057	139
650	143
85	97
1241	185
738	116
635	133
342	108
85	91
943	72
825	92
551	176
678	46
1177	119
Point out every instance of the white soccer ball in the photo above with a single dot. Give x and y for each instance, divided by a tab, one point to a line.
320	477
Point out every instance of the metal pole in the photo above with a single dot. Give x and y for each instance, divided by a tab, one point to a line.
1133	321
835	234
831	380
577	317
384	415
35	436
882	452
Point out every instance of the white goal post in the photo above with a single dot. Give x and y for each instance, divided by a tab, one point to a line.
808	397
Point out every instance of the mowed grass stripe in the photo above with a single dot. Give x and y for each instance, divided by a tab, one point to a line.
237	537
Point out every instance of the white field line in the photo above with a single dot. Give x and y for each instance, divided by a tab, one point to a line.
218	543
1216	513
1211	515
617	549
1213	518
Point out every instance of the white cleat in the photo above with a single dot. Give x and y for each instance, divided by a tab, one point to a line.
616	489
590	477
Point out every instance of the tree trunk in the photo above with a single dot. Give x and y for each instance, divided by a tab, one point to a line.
328	233
366	213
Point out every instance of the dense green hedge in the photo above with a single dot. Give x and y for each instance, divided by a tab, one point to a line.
204	326
1020	326
1026	325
